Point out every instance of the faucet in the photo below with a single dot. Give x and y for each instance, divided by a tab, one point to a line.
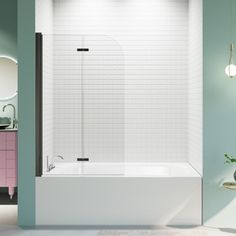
14	114
61	157
51	165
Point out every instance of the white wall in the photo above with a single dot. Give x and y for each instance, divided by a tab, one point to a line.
44	16
195	85
44	24
153	37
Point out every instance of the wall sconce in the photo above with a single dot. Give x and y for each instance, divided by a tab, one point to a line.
230	69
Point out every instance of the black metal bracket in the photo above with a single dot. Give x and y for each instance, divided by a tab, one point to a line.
82	49
82	159
38	103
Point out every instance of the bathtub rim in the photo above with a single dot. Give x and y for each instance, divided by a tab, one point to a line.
188	171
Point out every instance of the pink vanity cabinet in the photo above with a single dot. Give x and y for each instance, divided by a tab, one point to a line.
8	160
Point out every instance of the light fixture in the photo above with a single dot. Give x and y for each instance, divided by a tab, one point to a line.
230	69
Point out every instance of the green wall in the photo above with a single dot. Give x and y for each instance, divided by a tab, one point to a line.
26	102
8	28
23	19
219	115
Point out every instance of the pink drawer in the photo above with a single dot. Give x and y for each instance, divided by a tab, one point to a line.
2	177
2	159
2	163
11	164
11	182
11	173
11	145
11	136
2	141
11	155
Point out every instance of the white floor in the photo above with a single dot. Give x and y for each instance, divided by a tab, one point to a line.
8	215
70	231
8	227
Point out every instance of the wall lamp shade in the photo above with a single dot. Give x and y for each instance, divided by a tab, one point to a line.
230	69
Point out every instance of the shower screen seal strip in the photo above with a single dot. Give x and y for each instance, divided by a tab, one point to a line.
82	49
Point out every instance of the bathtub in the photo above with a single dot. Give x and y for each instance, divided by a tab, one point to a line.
119	194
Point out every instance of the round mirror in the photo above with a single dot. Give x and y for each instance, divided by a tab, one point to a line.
8	78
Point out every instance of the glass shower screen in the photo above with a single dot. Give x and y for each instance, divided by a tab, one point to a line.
83	104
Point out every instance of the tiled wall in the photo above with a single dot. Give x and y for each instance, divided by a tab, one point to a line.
135	79
195	85
141	100
44	24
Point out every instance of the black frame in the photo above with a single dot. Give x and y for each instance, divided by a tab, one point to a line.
38	100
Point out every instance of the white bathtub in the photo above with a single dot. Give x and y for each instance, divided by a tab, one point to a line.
119	194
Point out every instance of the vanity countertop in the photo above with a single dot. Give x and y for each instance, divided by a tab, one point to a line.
8	130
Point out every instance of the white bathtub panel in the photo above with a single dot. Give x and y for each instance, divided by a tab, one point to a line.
118	201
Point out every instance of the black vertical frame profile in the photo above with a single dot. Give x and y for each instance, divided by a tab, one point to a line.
38	100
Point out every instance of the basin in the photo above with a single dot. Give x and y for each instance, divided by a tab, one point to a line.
4	122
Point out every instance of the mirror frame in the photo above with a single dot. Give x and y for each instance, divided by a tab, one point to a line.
16	93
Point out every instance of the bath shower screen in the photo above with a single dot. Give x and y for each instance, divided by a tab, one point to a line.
83	104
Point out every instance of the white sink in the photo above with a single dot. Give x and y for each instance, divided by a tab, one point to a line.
4	122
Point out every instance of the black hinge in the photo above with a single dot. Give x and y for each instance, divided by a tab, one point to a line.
82	159
82	49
